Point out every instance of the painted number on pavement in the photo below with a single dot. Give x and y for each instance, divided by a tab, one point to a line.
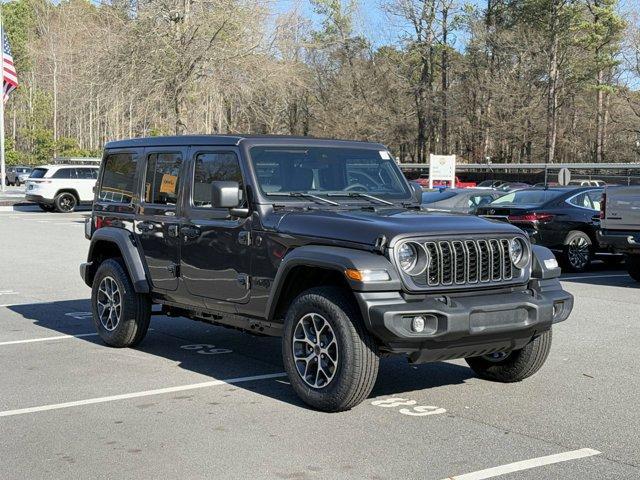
206	349
414	411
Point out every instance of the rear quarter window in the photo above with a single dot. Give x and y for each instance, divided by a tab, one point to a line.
118	178
38	173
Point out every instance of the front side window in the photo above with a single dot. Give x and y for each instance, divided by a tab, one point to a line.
87	173
213	167
162	179
65	173
327	170
118	178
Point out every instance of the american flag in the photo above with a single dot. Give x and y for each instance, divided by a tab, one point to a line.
9	77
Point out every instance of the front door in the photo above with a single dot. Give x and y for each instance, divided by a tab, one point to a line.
214	255
157	224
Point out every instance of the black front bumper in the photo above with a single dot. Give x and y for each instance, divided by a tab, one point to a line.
38	199
464	325
620	240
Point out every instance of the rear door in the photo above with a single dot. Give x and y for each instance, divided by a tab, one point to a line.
157	223
214	253
86	180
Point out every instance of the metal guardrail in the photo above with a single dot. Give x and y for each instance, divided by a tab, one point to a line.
530	166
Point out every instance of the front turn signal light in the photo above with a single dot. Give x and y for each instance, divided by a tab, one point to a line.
367	275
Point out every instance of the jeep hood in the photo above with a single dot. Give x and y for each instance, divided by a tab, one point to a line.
365	226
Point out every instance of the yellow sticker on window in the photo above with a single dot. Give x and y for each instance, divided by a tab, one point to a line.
169	184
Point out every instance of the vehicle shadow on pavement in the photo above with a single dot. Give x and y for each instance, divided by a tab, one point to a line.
177	340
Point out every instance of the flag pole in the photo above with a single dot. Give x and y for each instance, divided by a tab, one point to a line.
3	174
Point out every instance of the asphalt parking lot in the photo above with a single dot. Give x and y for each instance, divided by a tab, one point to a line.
197	401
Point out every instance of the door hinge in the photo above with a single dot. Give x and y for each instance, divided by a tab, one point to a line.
244	280
174	269
244	238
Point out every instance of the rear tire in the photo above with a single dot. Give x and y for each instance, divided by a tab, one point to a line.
633	266
343	374
577	252
121	315
65	202
517	365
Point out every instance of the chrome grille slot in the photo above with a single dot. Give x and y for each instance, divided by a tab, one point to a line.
496	260
460	263
433	272
506	260
485	261
446	263
472	263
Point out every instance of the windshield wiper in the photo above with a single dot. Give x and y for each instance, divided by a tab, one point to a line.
303	195
360	195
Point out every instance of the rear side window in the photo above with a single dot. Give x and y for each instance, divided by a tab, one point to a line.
118	178
64	173
38	173
162	179
212	167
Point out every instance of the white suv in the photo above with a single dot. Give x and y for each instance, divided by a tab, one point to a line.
61	187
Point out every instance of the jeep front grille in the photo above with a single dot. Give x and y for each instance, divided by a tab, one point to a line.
467	262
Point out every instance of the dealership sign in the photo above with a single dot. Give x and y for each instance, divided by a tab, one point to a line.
442	168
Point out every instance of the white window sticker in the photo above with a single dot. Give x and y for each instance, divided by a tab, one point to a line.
385	155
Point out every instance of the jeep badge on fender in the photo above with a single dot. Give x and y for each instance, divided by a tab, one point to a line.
321	242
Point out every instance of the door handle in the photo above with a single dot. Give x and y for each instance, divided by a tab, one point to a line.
145	226
190	232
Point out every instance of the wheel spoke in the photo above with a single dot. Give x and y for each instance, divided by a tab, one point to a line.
315	350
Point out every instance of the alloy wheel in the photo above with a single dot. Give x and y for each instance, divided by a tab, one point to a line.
315	350
496	357
67	203
579	253
109	303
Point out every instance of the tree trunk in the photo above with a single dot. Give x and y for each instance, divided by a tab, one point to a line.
600	118
552	92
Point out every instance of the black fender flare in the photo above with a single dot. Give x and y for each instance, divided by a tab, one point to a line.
543	263
333	258
133	262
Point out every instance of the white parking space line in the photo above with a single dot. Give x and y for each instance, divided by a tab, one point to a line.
46	339
585	277
526	464
146	393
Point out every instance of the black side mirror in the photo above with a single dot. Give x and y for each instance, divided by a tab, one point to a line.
225	194
416	190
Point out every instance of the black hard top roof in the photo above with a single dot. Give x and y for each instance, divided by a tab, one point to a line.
233	140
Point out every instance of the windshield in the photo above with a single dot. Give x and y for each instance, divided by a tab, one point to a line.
528	197
326	170
38	173
23	170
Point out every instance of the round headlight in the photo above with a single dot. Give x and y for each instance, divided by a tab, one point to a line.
518	252
407	257
413	259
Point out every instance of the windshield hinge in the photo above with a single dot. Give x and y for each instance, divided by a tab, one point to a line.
380	245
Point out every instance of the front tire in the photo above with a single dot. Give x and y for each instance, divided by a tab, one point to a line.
65	202
121	315
578	251
633	266
329	355
516	365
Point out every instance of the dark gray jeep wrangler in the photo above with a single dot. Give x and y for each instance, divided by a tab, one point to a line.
321	242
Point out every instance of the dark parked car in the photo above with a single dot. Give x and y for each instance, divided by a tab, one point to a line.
563	219
459	200
322	243
490	184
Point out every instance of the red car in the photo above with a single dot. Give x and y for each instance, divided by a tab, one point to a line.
423	180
